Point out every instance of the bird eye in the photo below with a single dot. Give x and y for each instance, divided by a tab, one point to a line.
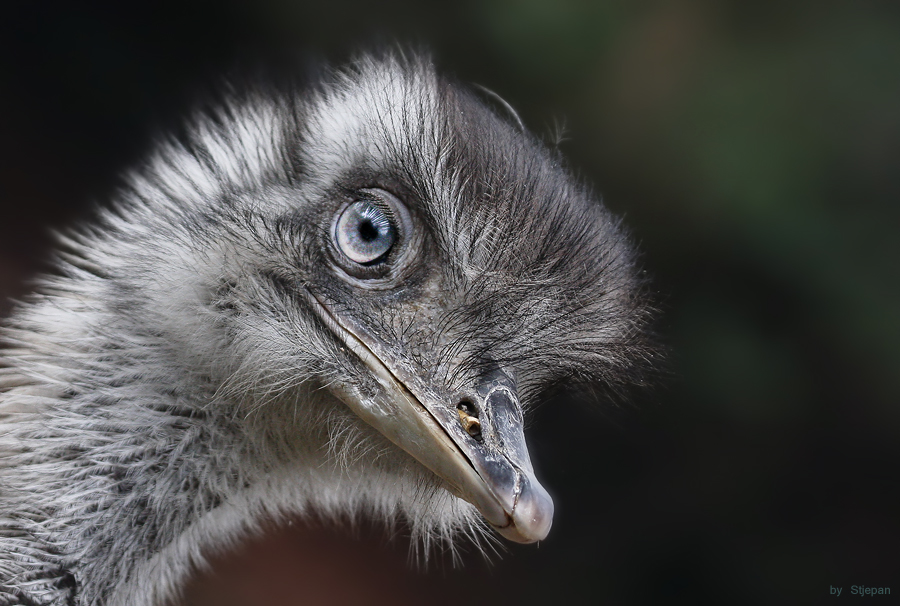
365	232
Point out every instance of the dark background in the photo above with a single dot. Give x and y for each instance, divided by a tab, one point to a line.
754	150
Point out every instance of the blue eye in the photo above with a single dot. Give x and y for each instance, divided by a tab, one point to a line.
365	233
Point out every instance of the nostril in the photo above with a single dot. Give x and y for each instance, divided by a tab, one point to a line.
468	407
468	416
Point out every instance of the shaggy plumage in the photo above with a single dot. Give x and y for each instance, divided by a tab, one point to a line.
208	355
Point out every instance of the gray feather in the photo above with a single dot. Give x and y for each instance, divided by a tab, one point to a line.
168	388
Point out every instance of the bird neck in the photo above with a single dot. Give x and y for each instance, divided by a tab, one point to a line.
123	462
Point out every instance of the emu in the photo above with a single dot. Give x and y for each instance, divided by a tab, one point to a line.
342	299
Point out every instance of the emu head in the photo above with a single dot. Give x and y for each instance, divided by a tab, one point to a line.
428	263
345	299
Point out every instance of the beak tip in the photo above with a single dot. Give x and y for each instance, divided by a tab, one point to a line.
532	516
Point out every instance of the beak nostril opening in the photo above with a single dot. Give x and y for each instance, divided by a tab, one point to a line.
468	416
467	407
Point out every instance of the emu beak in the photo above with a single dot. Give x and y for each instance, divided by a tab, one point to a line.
490	469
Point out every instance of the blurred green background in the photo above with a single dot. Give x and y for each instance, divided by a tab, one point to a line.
754	151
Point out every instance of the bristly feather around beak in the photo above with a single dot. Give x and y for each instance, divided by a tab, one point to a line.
489	468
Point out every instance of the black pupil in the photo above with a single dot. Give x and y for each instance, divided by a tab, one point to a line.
368	231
